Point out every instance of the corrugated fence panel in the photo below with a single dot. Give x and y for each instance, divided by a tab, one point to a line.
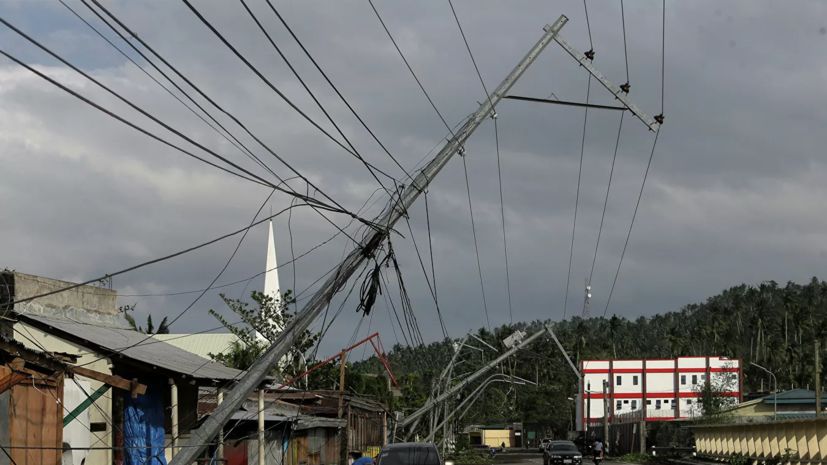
804	439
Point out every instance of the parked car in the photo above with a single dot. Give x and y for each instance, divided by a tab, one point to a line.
544	443
410	453
562	453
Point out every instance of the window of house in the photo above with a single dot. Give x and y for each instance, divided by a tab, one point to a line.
618	383
683	380
648	402
618	405
694	379
634	380
634	405
703	377
657	405
625	401
688	401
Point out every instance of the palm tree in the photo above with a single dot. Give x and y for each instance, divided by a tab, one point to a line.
163	328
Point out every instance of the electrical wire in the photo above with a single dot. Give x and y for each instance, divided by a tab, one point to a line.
502	214
218	107
589	25
499	168
119	97
235	142
577	196
223	269
476	246
151	262
663	60
431	252
409	68
369	167
132	125
427	280
606	201
634	215
270	85
335	89
625	48
651	155
468	47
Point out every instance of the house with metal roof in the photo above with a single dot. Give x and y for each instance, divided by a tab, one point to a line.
84	323
792	404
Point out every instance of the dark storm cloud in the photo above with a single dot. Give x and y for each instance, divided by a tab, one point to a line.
732	195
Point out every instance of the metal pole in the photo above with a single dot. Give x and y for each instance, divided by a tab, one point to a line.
431	403
395	210
775	391
261	427
588	408
471	396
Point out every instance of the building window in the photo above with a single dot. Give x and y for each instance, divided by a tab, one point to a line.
688	401
648	402
703	377
618	405
657	405
683	380
618	383
625	401
634	380
634	405
694	379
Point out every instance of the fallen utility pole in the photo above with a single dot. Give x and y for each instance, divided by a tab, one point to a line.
395	210
471	398
459	386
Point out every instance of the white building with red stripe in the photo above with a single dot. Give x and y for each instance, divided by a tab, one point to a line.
665	388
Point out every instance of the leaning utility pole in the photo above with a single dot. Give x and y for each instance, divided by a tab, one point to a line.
382	225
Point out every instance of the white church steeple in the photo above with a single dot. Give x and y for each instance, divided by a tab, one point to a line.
271	274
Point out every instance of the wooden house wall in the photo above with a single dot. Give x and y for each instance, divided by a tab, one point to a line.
35	422
315	446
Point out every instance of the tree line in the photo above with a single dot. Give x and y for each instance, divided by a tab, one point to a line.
769	324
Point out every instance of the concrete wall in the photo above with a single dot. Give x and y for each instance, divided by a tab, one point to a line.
101	410
89	298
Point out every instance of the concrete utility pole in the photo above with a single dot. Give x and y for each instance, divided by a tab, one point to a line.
588	415
606	407
394	211
473	398
413	418
341	400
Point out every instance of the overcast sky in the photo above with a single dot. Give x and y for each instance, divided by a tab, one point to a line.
734	193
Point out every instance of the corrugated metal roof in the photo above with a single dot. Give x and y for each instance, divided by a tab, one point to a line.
151	352
201	345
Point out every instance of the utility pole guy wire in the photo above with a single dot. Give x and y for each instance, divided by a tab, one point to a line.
393	212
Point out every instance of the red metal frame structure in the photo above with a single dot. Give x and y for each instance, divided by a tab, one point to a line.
377	345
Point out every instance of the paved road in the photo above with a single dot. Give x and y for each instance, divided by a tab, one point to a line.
519	458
